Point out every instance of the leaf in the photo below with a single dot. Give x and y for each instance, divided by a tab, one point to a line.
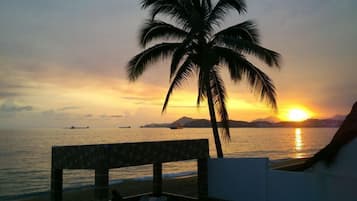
184	72
138	63
155	29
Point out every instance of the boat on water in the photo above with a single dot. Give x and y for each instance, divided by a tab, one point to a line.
78	127
177	126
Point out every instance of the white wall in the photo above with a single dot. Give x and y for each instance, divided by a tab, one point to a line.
249	179
290	186
345	163
238	178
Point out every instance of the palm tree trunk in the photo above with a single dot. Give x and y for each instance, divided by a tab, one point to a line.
212	113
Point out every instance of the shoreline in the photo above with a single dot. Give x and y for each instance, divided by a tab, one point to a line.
186	185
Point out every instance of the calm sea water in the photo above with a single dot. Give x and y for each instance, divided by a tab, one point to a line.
25	155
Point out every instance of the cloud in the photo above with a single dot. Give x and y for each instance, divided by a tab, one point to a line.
12	84
4	94
55	115
269	119
116	116
10	106
69	108
134	98
8	89
139	100
104	116
48	113
183	106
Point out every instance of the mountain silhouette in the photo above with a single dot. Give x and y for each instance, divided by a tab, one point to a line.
188	122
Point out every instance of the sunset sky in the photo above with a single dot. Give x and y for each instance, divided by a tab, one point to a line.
63	63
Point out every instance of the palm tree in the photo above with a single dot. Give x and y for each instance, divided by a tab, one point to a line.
196	48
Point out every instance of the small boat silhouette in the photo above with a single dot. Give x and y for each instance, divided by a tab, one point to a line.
176	126
79	127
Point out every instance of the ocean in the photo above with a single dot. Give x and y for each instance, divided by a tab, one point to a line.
25	155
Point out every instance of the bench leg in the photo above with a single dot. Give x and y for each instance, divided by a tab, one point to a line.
101	184
157	180
202	180
56	184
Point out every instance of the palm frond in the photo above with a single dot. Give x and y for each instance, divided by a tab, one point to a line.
207	4
184	72
262	85
270	57
219	94
177	57
183	50
201	87
138	63
155	29
246	31
222	8
177	10
231	59
239	66
146	3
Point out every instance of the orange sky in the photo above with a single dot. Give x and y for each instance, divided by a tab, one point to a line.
63	63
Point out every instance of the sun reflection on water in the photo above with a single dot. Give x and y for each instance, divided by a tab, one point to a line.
298	139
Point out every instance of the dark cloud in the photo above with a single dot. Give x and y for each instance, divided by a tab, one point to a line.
8	90
11	85
4	94
10	106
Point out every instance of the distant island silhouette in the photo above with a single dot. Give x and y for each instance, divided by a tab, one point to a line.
187	122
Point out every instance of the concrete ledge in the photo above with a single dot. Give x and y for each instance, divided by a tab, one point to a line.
127	154
103	157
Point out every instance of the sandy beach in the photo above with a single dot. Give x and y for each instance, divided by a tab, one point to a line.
183	186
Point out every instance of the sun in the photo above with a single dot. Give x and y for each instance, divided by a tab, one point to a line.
298	114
